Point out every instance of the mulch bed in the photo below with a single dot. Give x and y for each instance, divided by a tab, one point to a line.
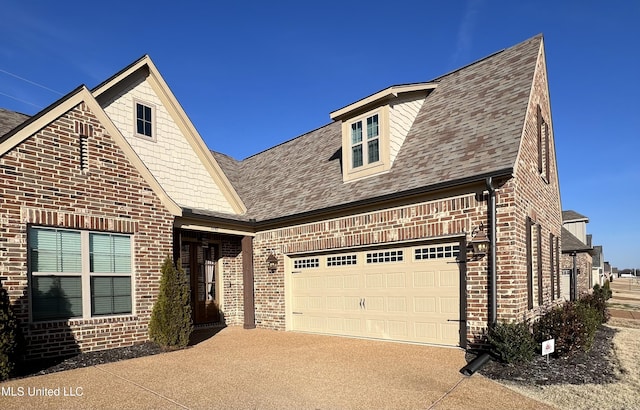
39	367
597	366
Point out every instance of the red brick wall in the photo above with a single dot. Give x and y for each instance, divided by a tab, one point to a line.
231	253
537	199
453	217
41	184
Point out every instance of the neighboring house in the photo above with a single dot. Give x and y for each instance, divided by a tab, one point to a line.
363	227
597	267
608	273
577	260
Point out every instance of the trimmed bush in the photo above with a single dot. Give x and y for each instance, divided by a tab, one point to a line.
598	301
171	324
572	325
9	336
512	342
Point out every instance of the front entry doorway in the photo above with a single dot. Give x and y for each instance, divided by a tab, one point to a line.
199	262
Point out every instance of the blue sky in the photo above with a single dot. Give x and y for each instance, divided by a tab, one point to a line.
252	74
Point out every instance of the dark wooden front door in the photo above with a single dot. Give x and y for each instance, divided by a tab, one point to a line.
199	263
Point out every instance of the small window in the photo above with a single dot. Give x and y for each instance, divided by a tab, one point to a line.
437	252
144	120
385	256
369	149
342	260
306	263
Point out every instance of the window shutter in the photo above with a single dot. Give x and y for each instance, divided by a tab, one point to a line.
539	120
529	223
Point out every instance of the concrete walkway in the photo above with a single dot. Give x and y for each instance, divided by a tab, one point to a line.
261	369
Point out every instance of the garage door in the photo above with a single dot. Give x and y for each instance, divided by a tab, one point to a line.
407	294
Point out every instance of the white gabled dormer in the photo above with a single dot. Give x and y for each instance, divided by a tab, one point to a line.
374	128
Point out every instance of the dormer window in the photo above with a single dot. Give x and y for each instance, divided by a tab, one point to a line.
369	149
375	127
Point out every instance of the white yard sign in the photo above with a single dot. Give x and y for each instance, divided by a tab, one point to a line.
548	347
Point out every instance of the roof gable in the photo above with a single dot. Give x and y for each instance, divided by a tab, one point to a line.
66	103
573	216
191	150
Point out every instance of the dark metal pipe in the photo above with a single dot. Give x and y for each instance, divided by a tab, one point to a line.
476	364
493	277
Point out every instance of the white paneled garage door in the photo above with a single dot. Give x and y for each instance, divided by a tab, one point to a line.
406	294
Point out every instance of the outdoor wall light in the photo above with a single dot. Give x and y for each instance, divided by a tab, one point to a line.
479	243
272	263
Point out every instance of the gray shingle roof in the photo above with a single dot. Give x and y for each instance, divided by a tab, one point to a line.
469	126
573	216
9	120
572	244
597	252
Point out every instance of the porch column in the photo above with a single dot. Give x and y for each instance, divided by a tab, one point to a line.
247	280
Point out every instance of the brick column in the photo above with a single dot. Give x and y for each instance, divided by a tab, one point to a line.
247	279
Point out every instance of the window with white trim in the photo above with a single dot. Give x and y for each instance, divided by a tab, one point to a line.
145	117
79	274
365	150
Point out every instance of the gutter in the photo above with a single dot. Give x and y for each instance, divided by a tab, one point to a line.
247	222
275	222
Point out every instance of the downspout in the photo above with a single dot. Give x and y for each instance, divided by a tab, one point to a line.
493	277
483	358
574	279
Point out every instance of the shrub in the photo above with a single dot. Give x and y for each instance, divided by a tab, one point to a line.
171	324
598	301
9	336
512	342
572	325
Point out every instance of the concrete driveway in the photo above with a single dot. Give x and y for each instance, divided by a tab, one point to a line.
262	369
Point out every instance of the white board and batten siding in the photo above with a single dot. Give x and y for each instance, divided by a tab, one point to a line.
408	294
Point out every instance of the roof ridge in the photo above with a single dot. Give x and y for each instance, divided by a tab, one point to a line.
439	78
93	90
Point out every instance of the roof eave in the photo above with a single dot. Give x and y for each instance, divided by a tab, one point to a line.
480	178
387	93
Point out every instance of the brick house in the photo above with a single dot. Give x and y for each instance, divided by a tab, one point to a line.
577	256
364	227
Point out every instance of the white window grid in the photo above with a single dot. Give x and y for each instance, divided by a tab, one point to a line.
437	252
342	260
385	256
